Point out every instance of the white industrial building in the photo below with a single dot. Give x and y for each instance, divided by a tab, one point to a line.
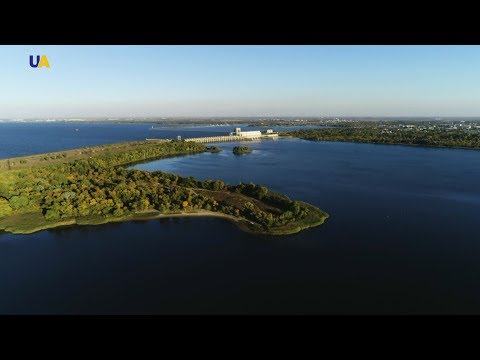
247	134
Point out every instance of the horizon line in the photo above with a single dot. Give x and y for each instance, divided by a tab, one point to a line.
112	118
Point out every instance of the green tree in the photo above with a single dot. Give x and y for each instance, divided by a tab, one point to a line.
52	214
5	208
4	191
18	202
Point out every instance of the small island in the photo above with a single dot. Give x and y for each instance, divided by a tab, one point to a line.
92	186
240	150
212	149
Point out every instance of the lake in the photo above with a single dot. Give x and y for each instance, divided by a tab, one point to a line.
402	237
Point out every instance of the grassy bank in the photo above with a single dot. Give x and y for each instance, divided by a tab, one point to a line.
29	223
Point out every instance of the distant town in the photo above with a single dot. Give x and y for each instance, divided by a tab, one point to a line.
391	123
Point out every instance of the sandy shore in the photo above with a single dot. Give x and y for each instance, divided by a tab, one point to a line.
245	225
201	213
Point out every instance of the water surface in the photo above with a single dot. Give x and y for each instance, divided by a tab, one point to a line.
402	238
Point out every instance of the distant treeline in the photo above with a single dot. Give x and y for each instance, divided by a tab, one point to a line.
438	137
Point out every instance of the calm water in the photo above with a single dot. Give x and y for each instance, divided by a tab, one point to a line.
20	139
402	238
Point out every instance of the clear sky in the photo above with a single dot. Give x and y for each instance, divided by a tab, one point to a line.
124	81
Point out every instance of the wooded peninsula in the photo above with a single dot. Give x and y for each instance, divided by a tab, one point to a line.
92	186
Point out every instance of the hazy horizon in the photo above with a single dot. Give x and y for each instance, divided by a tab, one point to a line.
240	81
140	118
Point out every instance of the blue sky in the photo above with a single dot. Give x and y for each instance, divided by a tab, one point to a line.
120	81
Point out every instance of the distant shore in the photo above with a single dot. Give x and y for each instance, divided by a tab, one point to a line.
383	143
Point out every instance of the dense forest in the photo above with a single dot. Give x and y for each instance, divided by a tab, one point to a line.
101	187
114	154
409	136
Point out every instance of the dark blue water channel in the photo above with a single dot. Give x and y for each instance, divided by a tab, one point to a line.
403	237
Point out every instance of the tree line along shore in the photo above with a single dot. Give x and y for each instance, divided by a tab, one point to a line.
452	138
92	186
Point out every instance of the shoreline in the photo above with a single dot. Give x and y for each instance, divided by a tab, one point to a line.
98	220
204	213
242	223
380	143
